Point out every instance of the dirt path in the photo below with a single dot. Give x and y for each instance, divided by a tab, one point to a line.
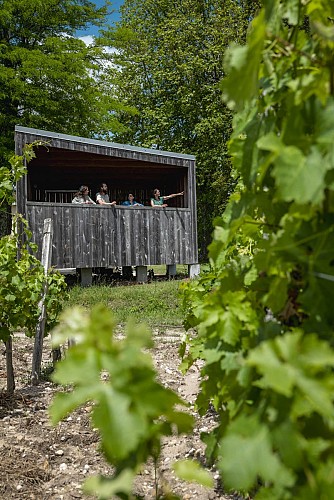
41	462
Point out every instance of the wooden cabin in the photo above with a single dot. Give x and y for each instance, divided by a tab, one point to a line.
97	236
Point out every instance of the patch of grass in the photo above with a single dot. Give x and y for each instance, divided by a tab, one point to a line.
154	303
181	269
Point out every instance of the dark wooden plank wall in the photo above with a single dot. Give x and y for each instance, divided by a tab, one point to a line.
97	236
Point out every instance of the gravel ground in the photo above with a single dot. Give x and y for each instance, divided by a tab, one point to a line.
41	462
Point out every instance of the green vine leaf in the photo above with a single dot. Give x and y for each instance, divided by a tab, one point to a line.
131	409
305	176
246	439
265	319
191	471
107	488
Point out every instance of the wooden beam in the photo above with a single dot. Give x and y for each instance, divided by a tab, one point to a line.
40	329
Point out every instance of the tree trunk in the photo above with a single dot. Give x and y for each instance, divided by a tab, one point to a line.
56	356
5	220
5	229
9	366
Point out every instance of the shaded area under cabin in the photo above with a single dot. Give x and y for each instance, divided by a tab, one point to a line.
97	236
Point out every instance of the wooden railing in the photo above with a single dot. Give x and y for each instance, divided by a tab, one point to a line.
59	196
103	236
54	195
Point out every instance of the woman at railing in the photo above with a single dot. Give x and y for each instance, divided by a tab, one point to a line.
82	196
159	201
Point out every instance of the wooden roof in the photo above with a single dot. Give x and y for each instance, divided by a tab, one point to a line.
103	148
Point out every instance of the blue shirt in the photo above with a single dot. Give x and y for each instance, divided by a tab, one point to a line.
128	204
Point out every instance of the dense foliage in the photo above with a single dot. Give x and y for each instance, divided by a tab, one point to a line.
131	409
264	312
170	61
22	277
10	173
49	78
22	283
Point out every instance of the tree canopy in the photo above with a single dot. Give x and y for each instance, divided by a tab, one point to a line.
48	77
170	60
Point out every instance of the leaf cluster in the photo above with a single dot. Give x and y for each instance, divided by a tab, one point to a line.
22	282
11	173
264	312
131	409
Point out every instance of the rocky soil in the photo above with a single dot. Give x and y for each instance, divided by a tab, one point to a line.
41	462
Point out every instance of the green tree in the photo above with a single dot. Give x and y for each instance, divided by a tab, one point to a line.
265	312
22	278
170	61
49	78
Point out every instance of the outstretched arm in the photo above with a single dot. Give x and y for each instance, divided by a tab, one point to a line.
173	195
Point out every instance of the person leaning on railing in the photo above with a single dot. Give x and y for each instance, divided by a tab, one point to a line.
158	201
82	196
131	202
102	197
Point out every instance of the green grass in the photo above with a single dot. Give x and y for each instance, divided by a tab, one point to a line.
181	269
156	303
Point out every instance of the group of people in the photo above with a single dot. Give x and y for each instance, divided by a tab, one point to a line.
102	198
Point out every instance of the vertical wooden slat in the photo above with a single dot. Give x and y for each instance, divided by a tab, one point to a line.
58	215
176	238
77	246
155	254
128	237
112	228
94	236
121	240
137	236
67	238
163	236
143	250
192	204
99	237
92	239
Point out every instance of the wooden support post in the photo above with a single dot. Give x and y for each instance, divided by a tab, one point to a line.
171	270
40	328
141	274
193	270
86	276
9	366
127	272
